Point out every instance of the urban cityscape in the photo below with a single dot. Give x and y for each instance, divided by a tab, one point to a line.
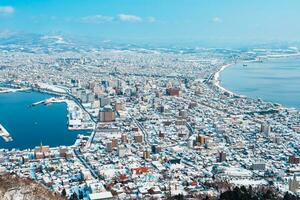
143	122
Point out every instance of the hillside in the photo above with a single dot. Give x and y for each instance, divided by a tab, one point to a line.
13	187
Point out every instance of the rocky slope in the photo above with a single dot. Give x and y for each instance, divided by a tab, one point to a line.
13	187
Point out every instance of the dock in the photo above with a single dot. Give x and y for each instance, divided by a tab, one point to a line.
5	134
37	103
9	90
50	101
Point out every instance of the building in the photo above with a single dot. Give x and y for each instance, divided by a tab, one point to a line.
109	147
146	154
118	106
293	184
222	157
107	114
192	105
265	129
183	113
161	134
104	101
101	196
124	139
114	142
173	92
259	165
294	160
122	151
201	139
42	152
161	109
138	138
64	152
155	149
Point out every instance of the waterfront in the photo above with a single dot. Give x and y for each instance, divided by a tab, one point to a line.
29	126
275	80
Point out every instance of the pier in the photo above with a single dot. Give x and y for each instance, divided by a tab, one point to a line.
8	90
5	134
50	101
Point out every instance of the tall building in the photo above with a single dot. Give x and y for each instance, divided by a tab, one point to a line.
265	129
138	138
201	139
183	113
222	157
121	151
109	147
107	114
293	184
104	101
146	154
90	97
124	139
114	143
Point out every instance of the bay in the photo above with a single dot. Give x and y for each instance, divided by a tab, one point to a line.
275	80
31	126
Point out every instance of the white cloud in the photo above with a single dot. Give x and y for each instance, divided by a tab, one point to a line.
129	18
151	19
6	10
217	20
97	19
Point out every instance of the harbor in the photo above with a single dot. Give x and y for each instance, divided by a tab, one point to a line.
30	125
77	118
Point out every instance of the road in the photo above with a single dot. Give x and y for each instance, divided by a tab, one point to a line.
86	164
145	134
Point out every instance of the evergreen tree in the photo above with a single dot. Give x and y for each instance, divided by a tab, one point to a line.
288	196
80	194
74	196
63	193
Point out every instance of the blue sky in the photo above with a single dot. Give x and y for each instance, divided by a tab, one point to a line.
156	20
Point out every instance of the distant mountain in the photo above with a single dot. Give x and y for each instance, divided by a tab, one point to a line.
36	42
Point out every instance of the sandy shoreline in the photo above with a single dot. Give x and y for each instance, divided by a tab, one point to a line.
217	81
216	77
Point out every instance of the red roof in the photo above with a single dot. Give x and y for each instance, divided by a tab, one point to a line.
141	170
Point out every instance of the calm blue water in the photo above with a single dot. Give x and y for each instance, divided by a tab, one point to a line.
29	126
275	80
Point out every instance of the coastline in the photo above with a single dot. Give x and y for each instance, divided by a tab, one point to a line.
11	136
11	90
75	122
216	81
